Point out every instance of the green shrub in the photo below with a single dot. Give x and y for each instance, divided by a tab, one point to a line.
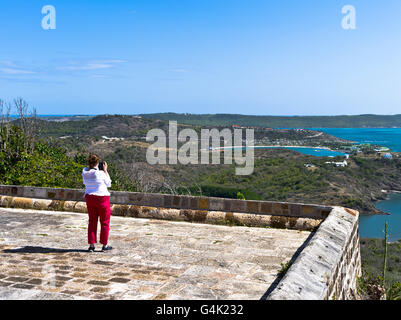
240	195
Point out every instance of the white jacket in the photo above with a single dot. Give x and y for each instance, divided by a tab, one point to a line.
96	182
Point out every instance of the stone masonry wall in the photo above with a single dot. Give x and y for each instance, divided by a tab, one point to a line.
174	207
328	267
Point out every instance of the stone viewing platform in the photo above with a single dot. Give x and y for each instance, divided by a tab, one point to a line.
151	259
175	247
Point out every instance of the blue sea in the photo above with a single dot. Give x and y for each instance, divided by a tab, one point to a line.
386	137
373	226
317	152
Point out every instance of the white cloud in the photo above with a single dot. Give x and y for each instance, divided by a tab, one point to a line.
93	65
8	63
15	71
11	68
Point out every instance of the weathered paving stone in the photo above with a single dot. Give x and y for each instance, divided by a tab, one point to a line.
70	292
34	281
80	269
104	263
79	286
120	280
78	280
28	258
59	284
14	272
64	267
14	261
171	287
5	284
140	276
161	296
62	278
161	278
62	272
98	283
79	275
100	289
147	289
16	279
121	274
22	286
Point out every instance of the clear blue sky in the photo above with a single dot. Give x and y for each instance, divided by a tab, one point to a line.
286	57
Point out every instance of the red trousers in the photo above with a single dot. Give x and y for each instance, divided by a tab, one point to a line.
98	208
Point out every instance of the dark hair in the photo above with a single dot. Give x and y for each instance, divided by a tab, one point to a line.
93	160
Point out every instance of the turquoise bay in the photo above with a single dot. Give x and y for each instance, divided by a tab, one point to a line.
373	226
386	137
317	152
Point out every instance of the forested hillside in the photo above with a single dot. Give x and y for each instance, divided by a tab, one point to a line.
354	121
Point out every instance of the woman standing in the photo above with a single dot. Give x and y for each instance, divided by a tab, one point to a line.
97	199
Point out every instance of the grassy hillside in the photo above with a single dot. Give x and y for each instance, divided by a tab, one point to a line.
281	175
103	125
372	256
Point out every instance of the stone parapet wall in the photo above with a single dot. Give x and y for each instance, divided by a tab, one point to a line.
177	202
328	267
189	215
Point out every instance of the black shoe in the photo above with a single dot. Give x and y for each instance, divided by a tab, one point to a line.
91	249
106	248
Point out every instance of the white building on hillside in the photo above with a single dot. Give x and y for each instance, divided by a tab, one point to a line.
338	164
